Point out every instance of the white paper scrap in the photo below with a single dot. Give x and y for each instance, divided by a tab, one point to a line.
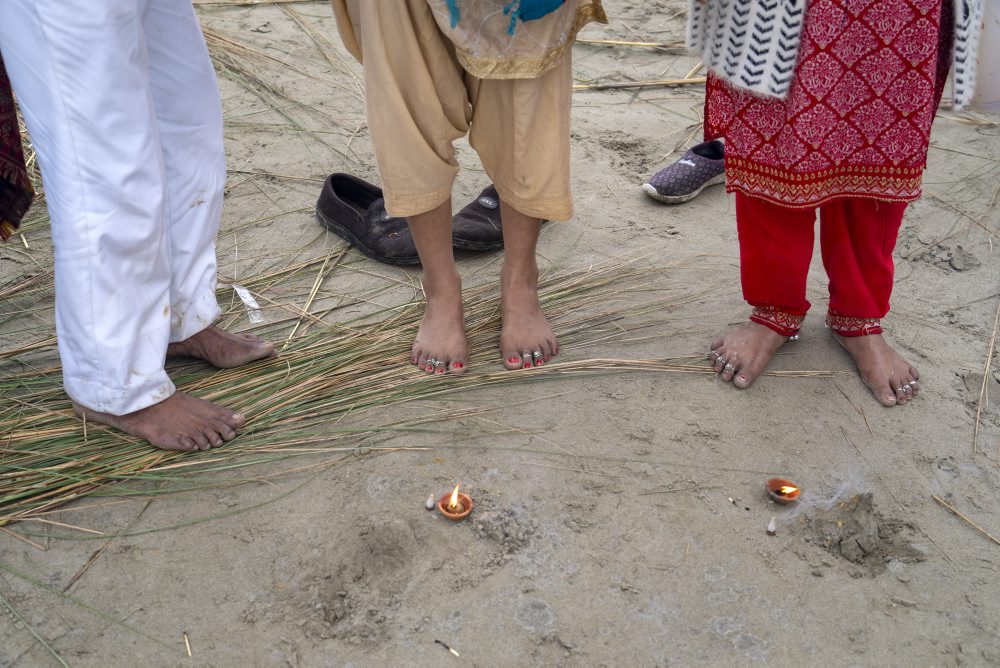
253	308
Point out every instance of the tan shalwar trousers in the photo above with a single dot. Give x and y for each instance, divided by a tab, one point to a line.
420	101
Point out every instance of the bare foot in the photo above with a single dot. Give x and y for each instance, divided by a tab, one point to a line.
891	378
440	344
222	349
743	354
526	337
179	422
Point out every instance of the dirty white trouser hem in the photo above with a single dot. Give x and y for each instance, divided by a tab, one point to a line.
123	108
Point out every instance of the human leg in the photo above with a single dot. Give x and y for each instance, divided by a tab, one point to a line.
417	105
775	250
857	237
80	73
520	128
188	113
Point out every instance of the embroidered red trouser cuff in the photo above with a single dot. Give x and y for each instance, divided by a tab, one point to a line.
857	237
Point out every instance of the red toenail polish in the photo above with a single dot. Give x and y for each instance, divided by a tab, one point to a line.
457	365
527	365
514	360
439	371
539	363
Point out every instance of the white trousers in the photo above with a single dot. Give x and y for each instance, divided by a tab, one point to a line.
123	108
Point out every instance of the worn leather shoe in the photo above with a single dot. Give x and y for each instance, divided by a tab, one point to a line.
355	210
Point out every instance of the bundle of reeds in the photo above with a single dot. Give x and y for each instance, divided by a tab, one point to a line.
325	393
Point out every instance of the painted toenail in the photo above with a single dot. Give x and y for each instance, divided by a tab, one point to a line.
457	365
527	365
514	360
742	378
439	371
539	362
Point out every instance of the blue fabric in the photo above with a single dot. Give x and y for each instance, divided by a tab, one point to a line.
529	10
525	10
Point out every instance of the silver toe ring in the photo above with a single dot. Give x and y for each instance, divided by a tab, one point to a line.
537	354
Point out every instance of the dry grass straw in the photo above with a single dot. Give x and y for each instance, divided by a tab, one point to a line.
659	83
954	511
670	47
986	376
327	392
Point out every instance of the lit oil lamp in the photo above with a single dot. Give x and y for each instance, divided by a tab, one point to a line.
782	491
455	506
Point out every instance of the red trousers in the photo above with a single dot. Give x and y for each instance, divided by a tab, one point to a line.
857	237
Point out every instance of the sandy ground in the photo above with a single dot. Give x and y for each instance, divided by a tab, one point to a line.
620	519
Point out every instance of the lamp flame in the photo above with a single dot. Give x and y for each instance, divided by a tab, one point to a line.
787	490
453	504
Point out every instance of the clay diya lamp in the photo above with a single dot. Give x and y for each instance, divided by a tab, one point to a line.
455	506
782	491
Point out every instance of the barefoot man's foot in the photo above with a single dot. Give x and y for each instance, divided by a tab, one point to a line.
891	378
222	349
440	345
179	422
526	337
743	354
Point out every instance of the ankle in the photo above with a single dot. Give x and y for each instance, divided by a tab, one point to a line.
442	284
519	275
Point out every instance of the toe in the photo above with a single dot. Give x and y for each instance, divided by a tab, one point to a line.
201	440
730	367
720	362
234	420
186	444
457	366
512	360
744	379
885	395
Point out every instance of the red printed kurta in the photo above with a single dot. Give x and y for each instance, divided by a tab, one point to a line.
857	119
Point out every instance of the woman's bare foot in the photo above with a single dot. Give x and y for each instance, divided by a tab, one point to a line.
441	345
526	337
222	349
743	354
891	378
179	422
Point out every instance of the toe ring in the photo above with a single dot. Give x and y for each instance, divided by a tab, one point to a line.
907	388
722	359
728	366
899	389
537	354
431	360
438	364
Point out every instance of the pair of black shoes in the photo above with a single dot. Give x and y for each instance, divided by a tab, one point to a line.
355	210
